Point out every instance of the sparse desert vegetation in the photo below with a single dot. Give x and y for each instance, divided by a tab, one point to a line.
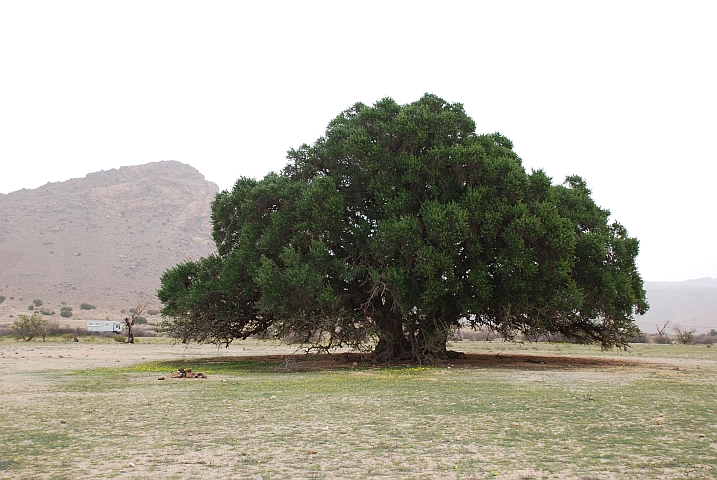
27	327
509	410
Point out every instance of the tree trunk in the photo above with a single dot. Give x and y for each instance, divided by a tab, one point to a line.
394	344
427	343
130	333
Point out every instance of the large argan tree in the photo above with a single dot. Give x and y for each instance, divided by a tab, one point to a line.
397	226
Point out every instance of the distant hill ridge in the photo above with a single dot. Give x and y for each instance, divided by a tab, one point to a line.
698	282
691	304
106	238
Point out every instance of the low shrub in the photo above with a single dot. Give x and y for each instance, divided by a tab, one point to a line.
144	332
549	338
47	312
141	321
704	339
477	335
37	302
641	338
152	312
119	338
87	306
2	299
31	307
68	337
661	339
54	329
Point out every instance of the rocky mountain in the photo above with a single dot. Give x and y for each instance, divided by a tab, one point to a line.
691	304
104	239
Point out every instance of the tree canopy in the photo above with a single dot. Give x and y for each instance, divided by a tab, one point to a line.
394	228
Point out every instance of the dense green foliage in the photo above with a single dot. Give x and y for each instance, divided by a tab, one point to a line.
66	312
395	227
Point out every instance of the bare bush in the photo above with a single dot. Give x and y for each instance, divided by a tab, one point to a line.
641	338
684	336
482	334
704	339
144	332
662	337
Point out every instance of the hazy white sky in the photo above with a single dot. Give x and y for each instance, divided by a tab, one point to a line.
621	93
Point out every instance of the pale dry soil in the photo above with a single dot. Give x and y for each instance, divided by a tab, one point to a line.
97	410
53	355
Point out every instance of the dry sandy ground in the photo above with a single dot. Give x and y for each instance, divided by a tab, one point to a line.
27	357
21	362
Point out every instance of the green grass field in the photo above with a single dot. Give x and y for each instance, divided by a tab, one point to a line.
653	418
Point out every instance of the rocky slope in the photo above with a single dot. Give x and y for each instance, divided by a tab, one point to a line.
104	239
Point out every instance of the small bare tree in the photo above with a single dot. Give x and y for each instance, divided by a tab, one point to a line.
662	337
130	321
